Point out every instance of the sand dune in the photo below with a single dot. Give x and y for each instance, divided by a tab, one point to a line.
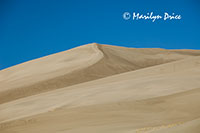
103	88
81	64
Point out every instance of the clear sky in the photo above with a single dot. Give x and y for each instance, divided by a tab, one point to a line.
31	29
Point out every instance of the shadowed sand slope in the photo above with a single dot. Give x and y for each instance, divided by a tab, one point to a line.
81	64
103	89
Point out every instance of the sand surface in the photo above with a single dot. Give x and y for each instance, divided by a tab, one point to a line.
98	88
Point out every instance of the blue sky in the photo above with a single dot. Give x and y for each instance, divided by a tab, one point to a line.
31	29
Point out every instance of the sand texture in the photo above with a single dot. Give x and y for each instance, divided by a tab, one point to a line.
99	88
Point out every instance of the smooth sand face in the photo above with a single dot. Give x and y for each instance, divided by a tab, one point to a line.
102	88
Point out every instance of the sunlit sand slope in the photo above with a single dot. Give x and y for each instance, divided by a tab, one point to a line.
125	116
